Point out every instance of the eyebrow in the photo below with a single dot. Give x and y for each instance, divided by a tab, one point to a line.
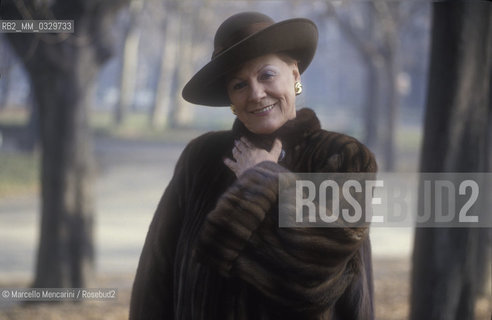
228	79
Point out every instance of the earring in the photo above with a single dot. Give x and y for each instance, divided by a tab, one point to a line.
233	109
298	88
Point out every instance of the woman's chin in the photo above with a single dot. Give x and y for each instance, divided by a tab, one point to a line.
267	128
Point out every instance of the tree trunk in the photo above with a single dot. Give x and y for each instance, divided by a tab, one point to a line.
362	39
31	140
62	74
484	267
392	106
5	77
373	62
162	105
4	89
181	115
371	111
445	260
66	250
388	13
129	67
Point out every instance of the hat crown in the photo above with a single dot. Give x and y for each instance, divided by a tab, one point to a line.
243	37
237	28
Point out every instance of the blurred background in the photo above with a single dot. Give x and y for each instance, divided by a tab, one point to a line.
92	123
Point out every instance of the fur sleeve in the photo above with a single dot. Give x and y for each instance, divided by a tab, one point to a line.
303	269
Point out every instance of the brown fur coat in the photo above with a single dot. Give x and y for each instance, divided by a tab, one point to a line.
214	249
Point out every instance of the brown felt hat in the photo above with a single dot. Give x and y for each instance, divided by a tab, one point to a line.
245	36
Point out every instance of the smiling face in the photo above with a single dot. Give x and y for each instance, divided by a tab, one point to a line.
262	92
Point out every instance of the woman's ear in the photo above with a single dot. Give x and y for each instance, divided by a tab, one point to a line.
295	70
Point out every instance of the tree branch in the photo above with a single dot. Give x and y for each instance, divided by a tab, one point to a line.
368	48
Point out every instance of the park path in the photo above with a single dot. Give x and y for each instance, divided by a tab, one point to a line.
131	177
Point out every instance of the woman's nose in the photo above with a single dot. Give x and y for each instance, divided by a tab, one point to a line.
257	92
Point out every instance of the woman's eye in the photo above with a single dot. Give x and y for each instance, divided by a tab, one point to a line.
267	75
239	85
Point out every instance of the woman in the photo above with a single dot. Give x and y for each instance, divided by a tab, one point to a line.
214	249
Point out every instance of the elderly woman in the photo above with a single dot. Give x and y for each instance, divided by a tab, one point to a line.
214	249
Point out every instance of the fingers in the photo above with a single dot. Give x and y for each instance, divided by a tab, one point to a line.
276	149
247	143
236	152
243	145
230	164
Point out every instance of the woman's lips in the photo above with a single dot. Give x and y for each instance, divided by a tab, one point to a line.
263	110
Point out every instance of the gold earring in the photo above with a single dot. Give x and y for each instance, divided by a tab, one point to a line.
233	109
298	88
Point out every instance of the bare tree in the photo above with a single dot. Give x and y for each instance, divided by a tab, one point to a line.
159	115
361	37
181	113
129	63
176	65
457	123
62	69
389	16
5	68
374	32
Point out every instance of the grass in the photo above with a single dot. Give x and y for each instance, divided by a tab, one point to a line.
136	127
14	116
19	173
408	139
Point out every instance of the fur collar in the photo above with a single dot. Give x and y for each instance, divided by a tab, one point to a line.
291	133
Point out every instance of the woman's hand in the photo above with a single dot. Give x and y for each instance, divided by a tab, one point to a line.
246	155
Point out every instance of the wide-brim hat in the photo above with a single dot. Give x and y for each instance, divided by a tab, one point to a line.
245	36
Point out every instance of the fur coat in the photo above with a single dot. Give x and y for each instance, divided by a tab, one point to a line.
214	249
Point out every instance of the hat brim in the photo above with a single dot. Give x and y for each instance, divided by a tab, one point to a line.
296	37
